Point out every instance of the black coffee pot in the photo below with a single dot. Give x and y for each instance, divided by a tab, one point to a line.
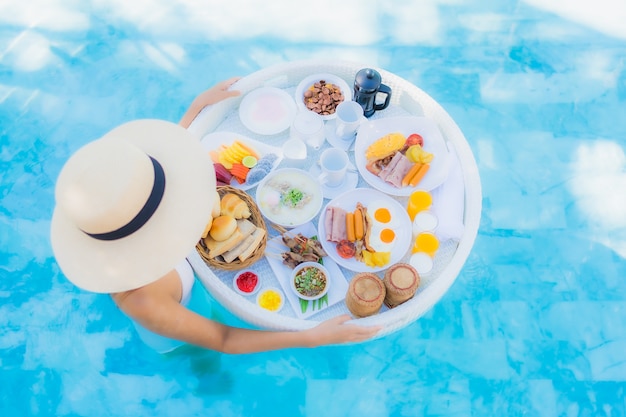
367	84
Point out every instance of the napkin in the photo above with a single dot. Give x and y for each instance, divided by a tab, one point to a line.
449	202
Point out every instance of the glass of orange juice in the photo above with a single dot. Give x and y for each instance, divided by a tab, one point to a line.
426	242
418	200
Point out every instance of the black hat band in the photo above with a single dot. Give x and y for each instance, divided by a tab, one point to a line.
152	203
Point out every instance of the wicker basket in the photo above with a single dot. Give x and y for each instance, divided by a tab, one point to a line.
365	296
401	281
256	218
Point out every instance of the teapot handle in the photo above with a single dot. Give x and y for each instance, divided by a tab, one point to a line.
387	91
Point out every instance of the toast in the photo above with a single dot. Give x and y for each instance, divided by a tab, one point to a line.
217	248
258	235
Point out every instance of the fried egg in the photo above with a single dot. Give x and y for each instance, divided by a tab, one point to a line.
382	237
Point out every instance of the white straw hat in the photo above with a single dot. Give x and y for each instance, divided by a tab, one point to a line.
131	205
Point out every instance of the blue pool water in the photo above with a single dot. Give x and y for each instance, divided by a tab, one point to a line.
535	324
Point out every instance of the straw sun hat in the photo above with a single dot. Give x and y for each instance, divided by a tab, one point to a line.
131	205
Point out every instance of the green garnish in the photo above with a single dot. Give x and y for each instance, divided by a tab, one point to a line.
316	304
292	197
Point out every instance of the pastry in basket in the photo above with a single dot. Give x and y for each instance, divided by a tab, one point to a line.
232	236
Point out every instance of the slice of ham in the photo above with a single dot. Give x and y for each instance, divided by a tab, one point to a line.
390	166
401	168
335	224
328	223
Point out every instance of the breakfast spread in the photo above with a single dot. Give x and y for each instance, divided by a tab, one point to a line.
398	160
362	230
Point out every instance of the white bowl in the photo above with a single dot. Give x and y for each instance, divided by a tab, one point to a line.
298	269
312	79
239	290
274	190
277	291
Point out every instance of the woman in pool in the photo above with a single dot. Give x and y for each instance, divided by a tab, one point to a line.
130	207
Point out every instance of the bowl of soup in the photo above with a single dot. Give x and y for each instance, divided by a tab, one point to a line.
289	197
310	281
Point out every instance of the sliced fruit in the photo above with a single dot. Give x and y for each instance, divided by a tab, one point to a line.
247	149
249	161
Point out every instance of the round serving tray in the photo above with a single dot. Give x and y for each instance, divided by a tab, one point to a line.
407	99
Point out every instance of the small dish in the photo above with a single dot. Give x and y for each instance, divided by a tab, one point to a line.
306	277
289	197
329	78
246	282
267	110
271	299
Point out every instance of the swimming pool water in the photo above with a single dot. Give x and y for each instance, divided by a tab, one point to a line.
535	324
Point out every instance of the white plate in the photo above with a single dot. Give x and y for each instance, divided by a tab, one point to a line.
338	284
366	196
214	140
312	79
267	110
434	143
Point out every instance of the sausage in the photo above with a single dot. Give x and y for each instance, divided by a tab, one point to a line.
409	175
350	227
419	175
358	224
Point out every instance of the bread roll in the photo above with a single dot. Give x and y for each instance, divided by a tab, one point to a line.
208	227
216	206
234	206
223	227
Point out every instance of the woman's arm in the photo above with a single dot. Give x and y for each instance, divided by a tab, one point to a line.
159	312
215	94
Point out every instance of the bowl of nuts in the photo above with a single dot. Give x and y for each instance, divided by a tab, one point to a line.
322	93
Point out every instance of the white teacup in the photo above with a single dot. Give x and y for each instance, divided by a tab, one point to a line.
349	118
334	163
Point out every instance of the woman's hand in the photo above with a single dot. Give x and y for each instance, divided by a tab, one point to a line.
335	331
215	94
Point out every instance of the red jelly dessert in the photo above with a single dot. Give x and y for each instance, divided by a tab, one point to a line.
247	281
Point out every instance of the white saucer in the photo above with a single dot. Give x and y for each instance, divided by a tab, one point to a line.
350	182
331	137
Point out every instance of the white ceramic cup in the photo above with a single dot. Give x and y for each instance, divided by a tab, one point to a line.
308	127
294	153
349	118
334	163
